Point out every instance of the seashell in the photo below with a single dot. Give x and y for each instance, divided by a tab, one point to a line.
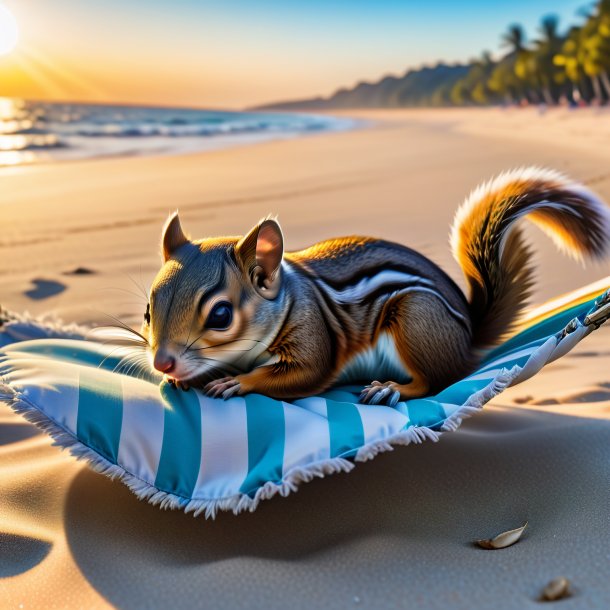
502	540
559	588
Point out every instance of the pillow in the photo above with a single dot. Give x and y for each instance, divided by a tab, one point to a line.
185	450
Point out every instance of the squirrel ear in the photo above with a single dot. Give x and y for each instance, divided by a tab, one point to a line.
261	253
172	236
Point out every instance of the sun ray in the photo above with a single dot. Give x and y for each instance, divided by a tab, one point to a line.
51	88
63	74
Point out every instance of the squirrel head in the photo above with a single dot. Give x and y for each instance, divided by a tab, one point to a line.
216	303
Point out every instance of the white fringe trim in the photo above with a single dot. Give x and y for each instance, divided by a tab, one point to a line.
240	502
50	327
479	399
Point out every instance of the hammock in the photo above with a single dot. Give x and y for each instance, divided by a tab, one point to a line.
185	450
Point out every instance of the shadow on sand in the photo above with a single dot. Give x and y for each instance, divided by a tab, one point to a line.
396	528
43	289
19	554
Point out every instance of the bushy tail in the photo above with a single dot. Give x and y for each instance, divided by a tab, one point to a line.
491	250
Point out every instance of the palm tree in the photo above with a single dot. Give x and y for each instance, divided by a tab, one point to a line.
473	87
549	29
596	48
481	71
520	58
589	56
585	55
504	83
546	47
570	61
604	44
514	38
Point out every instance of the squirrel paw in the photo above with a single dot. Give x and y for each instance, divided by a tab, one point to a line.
225	388
378	393
183	385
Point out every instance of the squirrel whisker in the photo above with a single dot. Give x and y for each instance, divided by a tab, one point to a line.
124	326
140	287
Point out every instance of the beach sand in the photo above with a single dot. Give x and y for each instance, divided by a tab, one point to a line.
79	237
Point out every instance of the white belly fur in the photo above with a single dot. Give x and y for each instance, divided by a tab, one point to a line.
380	362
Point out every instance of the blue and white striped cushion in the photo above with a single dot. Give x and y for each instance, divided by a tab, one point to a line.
185	450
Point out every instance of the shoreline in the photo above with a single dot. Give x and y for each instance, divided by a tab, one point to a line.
35	133
197	146
582	130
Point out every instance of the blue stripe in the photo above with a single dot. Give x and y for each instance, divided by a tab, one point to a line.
266	437
86	352
460	392
543	329
181	449
520	360
428	413
74	351
343	394
345	428
100	413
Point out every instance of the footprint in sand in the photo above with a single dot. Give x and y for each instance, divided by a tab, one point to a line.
597	393
80	271
43	289
19	554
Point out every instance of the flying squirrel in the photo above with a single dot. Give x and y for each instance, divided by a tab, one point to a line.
234	315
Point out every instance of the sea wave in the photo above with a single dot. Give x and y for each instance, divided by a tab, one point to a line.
89	130
181	130
33	142
26	131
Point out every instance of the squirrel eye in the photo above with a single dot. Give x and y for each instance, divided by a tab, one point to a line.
220	317
147	314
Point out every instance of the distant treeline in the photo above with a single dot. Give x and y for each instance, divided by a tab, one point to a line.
554	68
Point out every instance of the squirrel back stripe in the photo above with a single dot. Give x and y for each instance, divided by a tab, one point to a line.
491	249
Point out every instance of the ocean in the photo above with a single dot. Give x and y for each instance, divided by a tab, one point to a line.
37	132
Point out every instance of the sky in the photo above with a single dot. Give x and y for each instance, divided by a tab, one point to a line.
239	53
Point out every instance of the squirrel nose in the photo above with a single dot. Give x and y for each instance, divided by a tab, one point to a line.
164	362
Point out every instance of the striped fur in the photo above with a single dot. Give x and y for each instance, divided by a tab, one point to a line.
357	308
491	250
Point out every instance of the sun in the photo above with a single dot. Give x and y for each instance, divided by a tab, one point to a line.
9	32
